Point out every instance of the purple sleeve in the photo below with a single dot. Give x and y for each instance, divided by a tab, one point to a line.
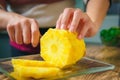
26	48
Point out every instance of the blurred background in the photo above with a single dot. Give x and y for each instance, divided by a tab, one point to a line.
112	19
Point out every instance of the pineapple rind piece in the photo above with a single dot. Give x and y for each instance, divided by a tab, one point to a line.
68	49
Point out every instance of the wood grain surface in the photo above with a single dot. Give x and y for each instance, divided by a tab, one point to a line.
107	54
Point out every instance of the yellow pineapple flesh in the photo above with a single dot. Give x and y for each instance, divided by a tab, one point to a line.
17	76
25	69
61	47
35	72
32	63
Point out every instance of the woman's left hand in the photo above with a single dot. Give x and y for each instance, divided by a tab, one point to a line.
75	20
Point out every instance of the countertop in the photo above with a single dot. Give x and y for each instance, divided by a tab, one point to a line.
103	53
106	54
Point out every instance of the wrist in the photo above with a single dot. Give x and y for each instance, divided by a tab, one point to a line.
94	20
4	18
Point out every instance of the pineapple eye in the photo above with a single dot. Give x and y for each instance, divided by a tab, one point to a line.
54	48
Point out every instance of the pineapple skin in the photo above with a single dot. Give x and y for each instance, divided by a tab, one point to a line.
61	48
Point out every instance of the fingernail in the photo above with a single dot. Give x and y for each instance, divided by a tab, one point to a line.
57	26
71	29
34	45
63	26
80	37
20	42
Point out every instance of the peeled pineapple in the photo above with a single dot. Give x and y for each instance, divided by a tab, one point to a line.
35	72
32	63
17	76
26	69
61	48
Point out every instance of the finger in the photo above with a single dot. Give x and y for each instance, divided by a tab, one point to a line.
58	23
75	21
11	32
18	34
66	17
26	32
82	33
35	34
85	26
91	32
79	28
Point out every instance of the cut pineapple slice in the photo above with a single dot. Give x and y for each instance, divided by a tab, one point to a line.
24	72
61	48
32	63
17	77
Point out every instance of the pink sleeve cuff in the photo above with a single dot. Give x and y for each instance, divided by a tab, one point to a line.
26	48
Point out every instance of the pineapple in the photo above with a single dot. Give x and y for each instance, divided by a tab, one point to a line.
61	48
25	69
26	72
32	63
18	77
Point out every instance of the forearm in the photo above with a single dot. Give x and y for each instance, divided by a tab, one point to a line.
96	10
7	17
4	17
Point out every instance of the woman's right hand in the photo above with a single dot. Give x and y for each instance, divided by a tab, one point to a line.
23	30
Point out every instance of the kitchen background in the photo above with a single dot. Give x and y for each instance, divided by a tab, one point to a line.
112	19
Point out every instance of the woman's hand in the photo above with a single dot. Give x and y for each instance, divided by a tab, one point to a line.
75	20
23	30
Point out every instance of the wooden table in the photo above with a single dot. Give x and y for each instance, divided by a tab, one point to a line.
106	54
